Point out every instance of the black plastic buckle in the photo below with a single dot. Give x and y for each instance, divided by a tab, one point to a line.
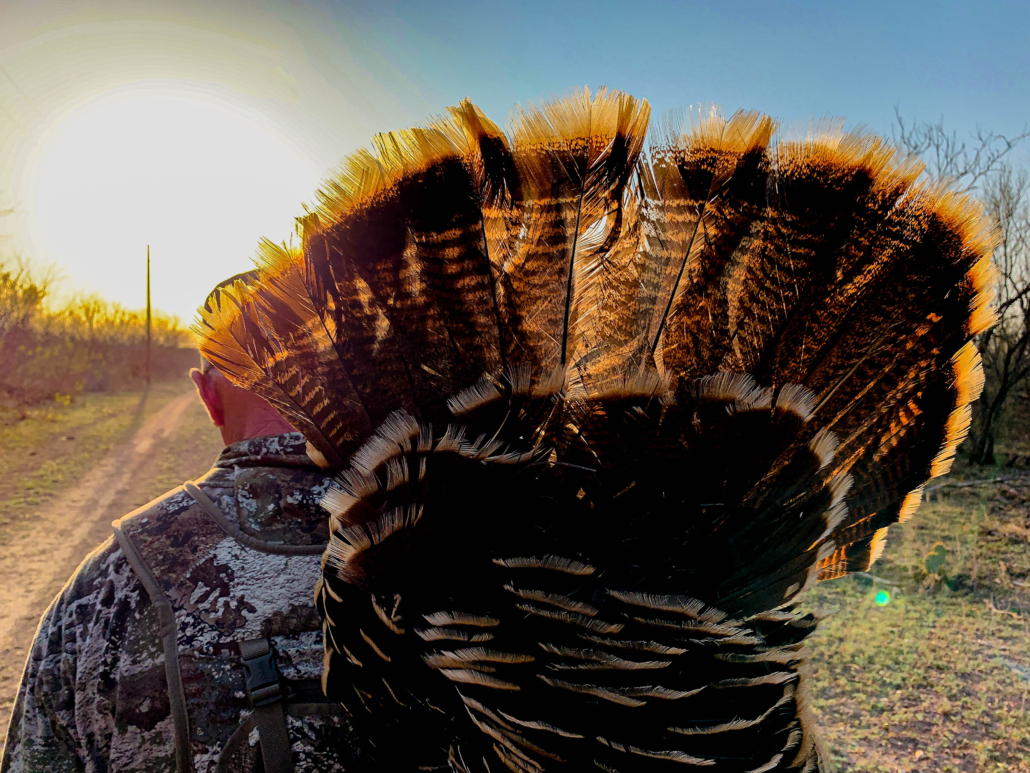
258	659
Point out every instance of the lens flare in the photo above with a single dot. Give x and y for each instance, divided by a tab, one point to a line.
883	598
198	181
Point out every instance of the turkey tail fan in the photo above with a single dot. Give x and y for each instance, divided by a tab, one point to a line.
914	443
798	252
487	153
914	437
600	414
615	616
863	285
395	281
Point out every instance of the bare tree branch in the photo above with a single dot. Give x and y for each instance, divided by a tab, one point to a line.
946	156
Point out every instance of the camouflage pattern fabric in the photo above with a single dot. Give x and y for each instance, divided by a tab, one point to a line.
94	695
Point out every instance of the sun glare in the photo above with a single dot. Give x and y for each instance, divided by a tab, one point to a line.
197	180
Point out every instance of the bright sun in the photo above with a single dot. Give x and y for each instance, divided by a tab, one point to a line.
197	181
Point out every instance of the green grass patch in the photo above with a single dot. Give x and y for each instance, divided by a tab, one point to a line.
937	679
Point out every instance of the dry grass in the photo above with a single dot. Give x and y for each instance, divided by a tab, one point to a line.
55	445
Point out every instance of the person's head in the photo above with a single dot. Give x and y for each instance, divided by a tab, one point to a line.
238	413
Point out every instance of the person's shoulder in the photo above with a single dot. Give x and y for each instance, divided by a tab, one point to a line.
271	501
101	573
106	566
166	536
108	580
170	505
98	645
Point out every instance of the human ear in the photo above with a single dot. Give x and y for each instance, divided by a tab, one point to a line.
208	392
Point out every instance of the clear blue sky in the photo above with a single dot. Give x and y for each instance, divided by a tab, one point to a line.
969	62
199	126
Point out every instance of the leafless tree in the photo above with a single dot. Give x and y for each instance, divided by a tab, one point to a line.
1006	347
989	168
969	165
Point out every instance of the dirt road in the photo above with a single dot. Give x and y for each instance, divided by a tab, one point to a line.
39	555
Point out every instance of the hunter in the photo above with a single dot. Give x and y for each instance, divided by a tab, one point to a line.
189	641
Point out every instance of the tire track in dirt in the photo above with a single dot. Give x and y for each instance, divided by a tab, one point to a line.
41	554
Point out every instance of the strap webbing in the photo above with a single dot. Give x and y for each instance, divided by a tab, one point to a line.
234	531
275	741
265	690
168	632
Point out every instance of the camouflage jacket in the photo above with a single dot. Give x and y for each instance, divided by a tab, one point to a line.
94	696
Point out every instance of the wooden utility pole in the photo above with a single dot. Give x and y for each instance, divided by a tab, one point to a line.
148	315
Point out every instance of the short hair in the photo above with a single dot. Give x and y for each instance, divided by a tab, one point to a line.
214	300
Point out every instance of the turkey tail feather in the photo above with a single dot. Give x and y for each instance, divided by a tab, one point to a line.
711	182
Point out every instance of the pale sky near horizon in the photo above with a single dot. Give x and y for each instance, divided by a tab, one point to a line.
199	127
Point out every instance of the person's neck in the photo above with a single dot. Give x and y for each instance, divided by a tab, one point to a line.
249	427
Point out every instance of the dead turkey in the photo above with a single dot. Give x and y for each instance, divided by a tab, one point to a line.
602	405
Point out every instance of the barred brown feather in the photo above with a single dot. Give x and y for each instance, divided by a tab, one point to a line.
600	415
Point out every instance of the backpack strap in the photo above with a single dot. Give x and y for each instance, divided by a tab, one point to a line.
271	696
168	631
301	698
264	688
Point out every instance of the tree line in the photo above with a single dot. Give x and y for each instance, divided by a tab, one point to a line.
51	350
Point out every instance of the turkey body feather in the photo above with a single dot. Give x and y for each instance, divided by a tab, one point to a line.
600	414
